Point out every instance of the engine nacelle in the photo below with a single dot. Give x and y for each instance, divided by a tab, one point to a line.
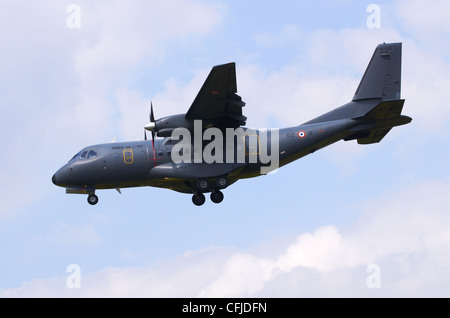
164	127
166	132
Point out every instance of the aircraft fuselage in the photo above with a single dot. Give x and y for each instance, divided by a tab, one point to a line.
136	163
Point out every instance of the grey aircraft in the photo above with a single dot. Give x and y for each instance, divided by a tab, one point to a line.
207	149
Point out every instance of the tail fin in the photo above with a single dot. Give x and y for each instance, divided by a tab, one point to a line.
377	105
382	79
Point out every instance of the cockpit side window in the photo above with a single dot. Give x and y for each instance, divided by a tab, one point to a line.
74	156
91	154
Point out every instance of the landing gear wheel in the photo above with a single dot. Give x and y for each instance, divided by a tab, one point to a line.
203	185
198	199
216	196
92	199
222	182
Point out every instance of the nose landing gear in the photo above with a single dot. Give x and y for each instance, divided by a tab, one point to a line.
92	199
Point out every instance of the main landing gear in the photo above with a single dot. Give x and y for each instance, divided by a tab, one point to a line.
199	198
204	185
216	196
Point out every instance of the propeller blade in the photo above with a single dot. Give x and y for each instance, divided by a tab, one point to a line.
145	134
152	116
152	124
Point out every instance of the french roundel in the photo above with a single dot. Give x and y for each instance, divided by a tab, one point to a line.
301	134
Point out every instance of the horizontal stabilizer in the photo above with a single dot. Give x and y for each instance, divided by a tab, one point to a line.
374	136
378	122
385	110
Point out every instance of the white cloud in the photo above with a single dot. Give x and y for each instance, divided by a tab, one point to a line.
70	84
178	97
425	86
323	250
124	37
134	111
405	233
243	276
425	21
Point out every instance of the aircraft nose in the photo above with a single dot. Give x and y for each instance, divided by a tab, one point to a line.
64	177
59	178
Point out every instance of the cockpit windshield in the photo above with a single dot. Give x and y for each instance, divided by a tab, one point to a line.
84	154
91	154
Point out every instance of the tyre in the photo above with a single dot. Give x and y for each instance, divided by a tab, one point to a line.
216	196
92	199
198	199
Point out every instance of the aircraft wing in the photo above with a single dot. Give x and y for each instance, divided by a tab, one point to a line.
217	101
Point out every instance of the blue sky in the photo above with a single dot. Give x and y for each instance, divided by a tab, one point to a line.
311	229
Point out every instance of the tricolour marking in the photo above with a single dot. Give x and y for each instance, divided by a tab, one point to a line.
301	134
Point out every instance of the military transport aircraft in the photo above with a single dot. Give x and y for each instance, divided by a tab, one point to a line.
207	149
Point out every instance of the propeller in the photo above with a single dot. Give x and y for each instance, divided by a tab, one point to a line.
151	126
152	121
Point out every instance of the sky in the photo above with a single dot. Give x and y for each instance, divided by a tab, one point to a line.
347	221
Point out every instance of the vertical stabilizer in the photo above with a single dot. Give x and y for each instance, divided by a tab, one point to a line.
382	79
